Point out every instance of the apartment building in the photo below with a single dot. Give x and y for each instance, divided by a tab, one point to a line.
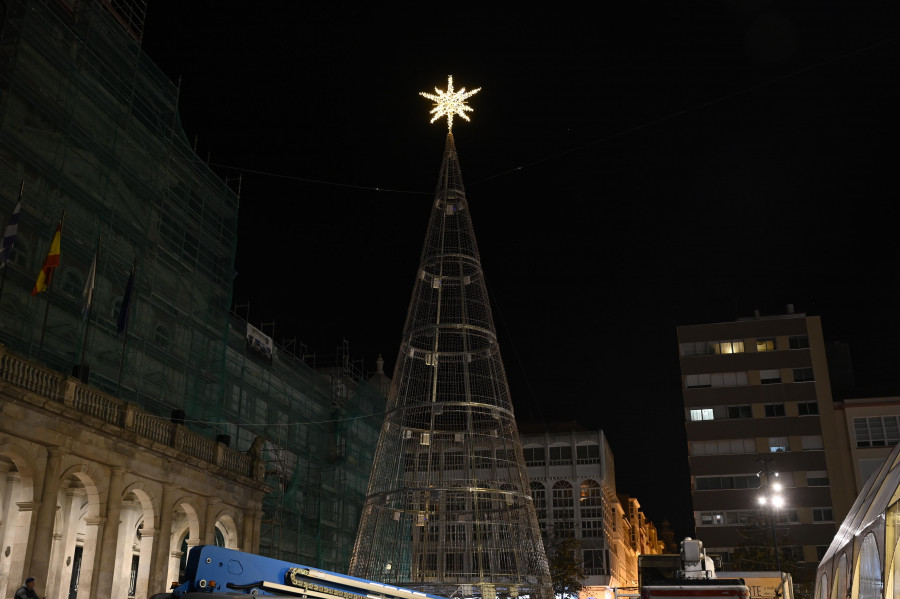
757	403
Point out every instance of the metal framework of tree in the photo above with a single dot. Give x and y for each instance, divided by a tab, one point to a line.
449	509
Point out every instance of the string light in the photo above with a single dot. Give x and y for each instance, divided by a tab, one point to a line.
449	103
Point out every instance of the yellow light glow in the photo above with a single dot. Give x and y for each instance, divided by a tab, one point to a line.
450	103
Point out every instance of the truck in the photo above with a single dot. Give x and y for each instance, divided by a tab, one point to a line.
766	584
230	573
691	573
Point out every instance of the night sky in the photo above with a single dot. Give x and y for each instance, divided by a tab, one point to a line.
628	171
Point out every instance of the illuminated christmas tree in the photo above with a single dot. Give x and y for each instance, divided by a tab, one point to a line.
449	508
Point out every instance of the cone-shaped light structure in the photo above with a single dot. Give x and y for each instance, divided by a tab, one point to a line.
449	508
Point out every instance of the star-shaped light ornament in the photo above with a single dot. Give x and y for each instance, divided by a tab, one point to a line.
449	103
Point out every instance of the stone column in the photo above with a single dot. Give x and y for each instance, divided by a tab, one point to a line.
213	505
8	517
89	558
142	586
159	565
108	576
17	540
46	515
246	542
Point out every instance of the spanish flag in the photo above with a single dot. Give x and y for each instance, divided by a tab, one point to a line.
52	261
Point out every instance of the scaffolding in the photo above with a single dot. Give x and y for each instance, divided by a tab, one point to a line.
448	508
316	421
91	126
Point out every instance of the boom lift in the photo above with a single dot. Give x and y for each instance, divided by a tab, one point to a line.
229	573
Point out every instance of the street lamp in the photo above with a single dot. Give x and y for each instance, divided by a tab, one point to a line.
771	497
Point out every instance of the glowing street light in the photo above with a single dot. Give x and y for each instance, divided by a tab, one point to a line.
771	498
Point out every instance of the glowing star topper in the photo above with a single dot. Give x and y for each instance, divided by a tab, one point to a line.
449	103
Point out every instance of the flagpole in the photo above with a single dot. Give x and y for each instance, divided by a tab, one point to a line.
6	257
49	286
90	306
126	306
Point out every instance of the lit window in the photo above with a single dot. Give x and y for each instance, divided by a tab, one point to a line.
734	346
702	414
778	444
769	377
765	344
712	518
802	375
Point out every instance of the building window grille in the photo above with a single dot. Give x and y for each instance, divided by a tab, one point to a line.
877	431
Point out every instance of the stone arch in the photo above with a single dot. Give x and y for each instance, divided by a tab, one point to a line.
185	517
823	588
76	542
225	523
21	484
139	512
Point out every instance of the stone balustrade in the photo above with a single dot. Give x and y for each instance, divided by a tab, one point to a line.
58	391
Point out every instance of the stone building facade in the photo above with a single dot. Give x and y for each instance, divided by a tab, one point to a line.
74	460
